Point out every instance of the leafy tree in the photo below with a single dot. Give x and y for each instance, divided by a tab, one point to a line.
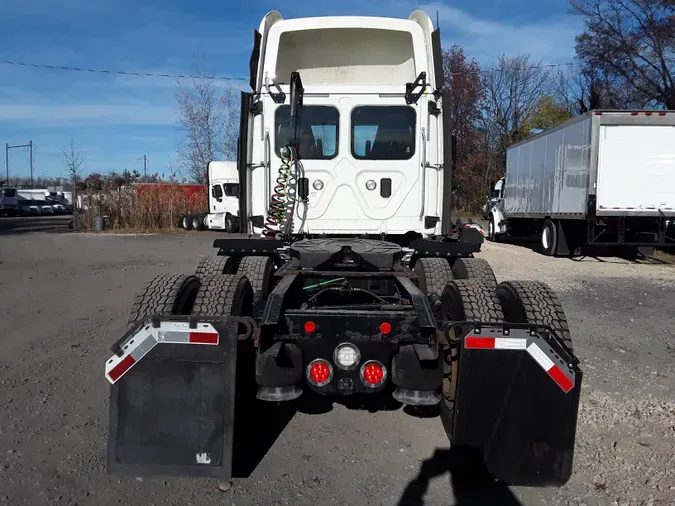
632	44
546	114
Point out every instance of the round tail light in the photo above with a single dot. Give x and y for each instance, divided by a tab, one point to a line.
319	372
373	374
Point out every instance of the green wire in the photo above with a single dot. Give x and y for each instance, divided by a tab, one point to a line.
323	283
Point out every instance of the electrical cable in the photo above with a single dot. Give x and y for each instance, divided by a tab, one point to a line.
231	78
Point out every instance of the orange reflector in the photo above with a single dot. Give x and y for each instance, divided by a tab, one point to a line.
385	328
310	327
373	374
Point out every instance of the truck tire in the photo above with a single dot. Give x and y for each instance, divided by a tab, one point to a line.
474	268
259	271
165	294
229	295
433	274
464	300
186	221
534	302
230	227
548	238
214	266
197	222
471	300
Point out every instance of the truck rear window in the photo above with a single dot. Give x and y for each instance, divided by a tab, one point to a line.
317	131
383	132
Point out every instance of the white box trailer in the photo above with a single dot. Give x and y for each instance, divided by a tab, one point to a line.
605	178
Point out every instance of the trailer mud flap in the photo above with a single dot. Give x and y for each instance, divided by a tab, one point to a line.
517	401
172	399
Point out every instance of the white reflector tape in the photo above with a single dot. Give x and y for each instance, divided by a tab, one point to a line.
510	344
556	373
137	347
539	356
148	337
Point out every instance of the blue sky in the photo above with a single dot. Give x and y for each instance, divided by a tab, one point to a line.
117	119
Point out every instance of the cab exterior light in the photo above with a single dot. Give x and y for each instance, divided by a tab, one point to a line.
318	185
371	185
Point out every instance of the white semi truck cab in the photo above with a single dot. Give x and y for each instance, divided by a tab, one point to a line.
369	133
223	196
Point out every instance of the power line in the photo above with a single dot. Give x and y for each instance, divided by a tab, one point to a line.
229	78
119	72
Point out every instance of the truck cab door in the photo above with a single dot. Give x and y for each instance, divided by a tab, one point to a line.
231	198
216	199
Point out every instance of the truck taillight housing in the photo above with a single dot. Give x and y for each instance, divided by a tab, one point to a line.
373	374
319	372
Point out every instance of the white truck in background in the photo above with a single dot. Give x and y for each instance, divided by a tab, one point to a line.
8	200
606	178
223	200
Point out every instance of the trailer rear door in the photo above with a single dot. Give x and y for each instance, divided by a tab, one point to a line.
636	169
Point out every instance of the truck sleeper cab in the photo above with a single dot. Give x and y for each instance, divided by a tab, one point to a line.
370	155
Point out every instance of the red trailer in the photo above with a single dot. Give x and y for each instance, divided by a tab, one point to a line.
192	196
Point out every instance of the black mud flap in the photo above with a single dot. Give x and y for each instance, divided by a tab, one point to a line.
517	401
172	398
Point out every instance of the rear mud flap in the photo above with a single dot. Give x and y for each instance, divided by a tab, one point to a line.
172	410
517	401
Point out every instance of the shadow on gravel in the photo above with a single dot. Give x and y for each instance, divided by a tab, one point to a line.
600	254
471	482
257	426
29	225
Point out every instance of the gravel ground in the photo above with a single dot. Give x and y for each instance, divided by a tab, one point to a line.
64	297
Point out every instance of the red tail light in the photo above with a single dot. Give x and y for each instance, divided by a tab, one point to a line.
310	327
373	374
385	328
319	372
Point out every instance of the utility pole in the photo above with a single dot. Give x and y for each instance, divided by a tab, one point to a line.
145	167
30	147
31	163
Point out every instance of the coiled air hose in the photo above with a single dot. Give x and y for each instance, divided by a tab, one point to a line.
278	209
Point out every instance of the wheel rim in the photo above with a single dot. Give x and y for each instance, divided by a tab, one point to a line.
491	228
195	223
546	237
185	223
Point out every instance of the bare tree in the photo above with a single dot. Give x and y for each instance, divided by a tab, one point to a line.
74	158
514	86
632	42
206	118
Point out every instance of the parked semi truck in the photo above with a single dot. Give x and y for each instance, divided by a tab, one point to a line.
223	200
606	178
9	205
352	282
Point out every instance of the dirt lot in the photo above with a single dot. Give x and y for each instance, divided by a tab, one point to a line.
64	296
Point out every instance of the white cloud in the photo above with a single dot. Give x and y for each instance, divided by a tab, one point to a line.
549	40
